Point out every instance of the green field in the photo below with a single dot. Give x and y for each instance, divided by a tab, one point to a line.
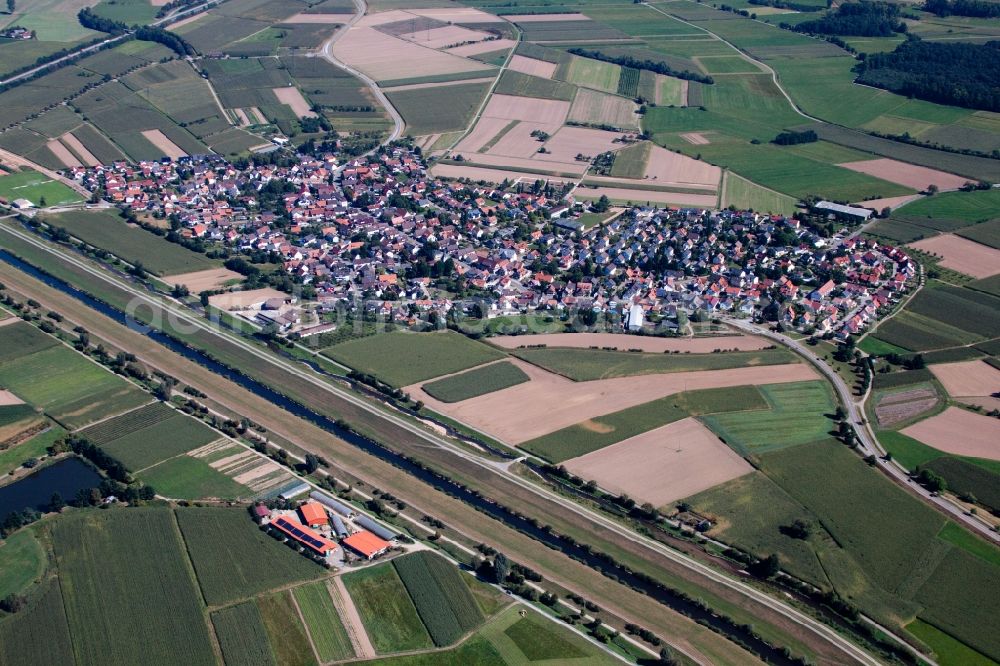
970	543
325	627
525	85
402	358
108	231
22	339
987	233
128	590
386	610
37	188
439	109
285	631
36	447
947	649
154	444
591	74
915	332
965	207
598	432
797	416
442	599
22	562
39	634
631	162
242	635
512	639
745	195
188	478
70	388
977	477
583	365
478	381
234	559
131	12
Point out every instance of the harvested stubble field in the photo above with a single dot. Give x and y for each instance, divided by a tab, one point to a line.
550	402
594	107
109	231
233	559
384	57
908	175
899	406
960	432
569	142
544	111
964	256
203	280
478	381
401	358
662	465
623	342
515	139
971	378
582	365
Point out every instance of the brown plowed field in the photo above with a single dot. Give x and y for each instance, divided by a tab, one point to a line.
664	165
74	144
238	300
439	38
483	47
890	202
962	255
639	196
533	66
549	402
626	342
969	378
568	142
958	431
7	398
497	175
292	97
485	129
512	107
160	140
518	142
385	57
530	18
62	152
908	175
662	465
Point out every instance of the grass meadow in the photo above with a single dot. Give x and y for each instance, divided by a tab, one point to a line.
22	562
386	609
746	195
188	478
583	365
285	630
108	231
325	627
402	358
233	559
156	443
475	382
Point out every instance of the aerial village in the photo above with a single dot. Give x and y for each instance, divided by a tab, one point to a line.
380	233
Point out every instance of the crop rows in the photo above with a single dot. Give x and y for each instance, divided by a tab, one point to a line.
475	382
628	84
126	424
442	598
242	635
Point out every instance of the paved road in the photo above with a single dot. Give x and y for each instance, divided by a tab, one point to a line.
869	444
327	52
183	318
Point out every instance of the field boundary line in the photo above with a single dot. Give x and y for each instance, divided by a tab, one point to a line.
305	625
356	631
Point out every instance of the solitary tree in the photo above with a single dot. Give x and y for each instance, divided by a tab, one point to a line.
501	568
11	6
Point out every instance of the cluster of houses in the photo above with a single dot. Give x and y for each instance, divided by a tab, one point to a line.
17	32
328	529
380	233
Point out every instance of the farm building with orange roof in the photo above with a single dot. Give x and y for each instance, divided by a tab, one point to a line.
366	544
302	534
313	514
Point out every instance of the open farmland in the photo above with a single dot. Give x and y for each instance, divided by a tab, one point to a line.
964	256
550	402
442	599
478	381
285	631
908	175
959	432
969	379
798	415
591	106
146	446
623	342
386	609
39	633
402	358
441	108
234	559
987	233
584	365
325	627
187	478
242	635
384	57
71	389
662	465
109	231
146	597
598	432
